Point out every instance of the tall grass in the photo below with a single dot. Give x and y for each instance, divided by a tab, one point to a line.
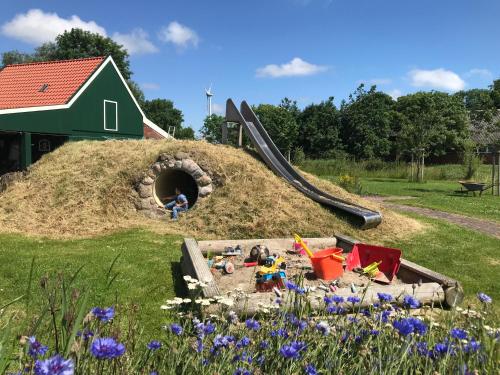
381	169
203	336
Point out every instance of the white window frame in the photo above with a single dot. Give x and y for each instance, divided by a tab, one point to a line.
116	115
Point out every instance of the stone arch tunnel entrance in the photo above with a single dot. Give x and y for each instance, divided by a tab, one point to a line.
168	180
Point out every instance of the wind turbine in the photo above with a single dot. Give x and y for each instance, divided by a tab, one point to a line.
209	94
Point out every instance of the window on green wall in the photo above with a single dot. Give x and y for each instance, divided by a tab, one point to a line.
110	115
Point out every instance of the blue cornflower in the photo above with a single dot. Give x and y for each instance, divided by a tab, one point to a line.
264	344
338	299
244	341
199	345
107	348
441	348
242	371
252	324
472	346
328	300
366	312
323	327
334	309
410	325
154	345
458	333
484	298
384	297
383	316
153	373
411	302
353	299
293	350
176	329
222	341
261	359
374	332
280	332
422	348
85	335
205	362
104	315
353	320
36	349
205	328
290	285
310	370
55	365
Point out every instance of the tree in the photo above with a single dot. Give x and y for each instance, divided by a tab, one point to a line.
280	125
433	123
367	122
211	130
291	107
137	92
185	133
479	103
319	130
15	57
495	93
163	113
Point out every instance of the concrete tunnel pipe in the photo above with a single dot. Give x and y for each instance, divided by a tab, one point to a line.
166	182
163	176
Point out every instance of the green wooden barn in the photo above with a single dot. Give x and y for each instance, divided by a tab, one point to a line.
44	104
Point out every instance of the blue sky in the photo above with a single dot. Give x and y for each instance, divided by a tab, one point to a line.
264	50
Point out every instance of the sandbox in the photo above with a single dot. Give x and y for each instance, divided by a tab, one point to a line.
429	287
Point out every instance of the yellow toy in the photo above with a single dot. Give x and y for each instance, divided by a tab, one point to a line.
372	269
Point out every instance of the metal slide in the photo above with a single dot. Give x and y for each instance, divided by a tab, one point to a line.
362	216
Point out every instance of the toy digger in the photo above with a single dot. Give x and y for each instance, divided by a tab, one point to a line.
271	274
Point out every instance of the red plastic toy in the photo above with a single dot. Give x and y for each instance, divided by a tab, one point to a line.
362	255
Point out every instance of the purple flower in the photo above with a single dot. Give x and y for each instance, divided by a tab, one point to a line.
297	289
245	341
55	365
222	341
86	334
104	315
422	349
472	346
334	309
36	349
441	348
410	325
411	302
264	344
293	350
205	328
176	329
252	324
384	297
280	332
323	327
338	299
242	371
374	332
353	299
383	316
310	370
458	333
107	348
154	345
199	345
484	298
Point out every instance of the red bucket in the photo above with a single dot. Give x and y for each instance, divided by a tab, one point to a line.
362	255
326	266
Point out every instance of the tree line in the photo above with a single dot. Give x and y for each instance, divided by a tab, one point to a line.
372	125
76	44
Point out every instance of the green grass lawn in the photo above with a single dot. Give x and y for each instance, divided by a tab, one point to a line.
438	195
465	255
148	269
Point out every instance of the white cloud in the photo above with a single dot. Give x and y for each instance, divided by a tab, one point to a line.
136	42
296	67
437	79
218	109
150	86
482	73
37	27
396	93
180	35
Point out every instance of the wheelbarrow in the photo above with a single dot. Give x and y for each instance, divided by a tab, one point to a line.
470	186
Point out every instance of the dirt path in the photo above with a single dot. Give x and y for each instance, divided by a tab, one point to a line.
481	225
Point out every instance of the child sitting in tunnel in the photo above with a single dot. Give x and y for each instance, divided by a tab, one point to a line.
178	204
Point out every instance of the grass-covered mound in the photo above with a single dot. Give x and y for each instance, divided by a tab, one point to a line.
87	188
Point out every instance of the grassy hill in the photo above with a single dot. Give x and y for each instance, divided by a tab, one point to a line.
86	188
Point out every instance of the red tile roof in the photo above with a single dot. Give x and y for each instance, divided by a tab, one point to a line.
20	84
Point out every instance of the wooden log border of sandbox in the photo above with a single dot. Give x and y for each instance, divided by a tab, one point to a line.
429	287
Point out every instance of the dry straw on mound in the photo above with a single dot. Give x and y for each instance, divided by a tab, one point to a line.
86	188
